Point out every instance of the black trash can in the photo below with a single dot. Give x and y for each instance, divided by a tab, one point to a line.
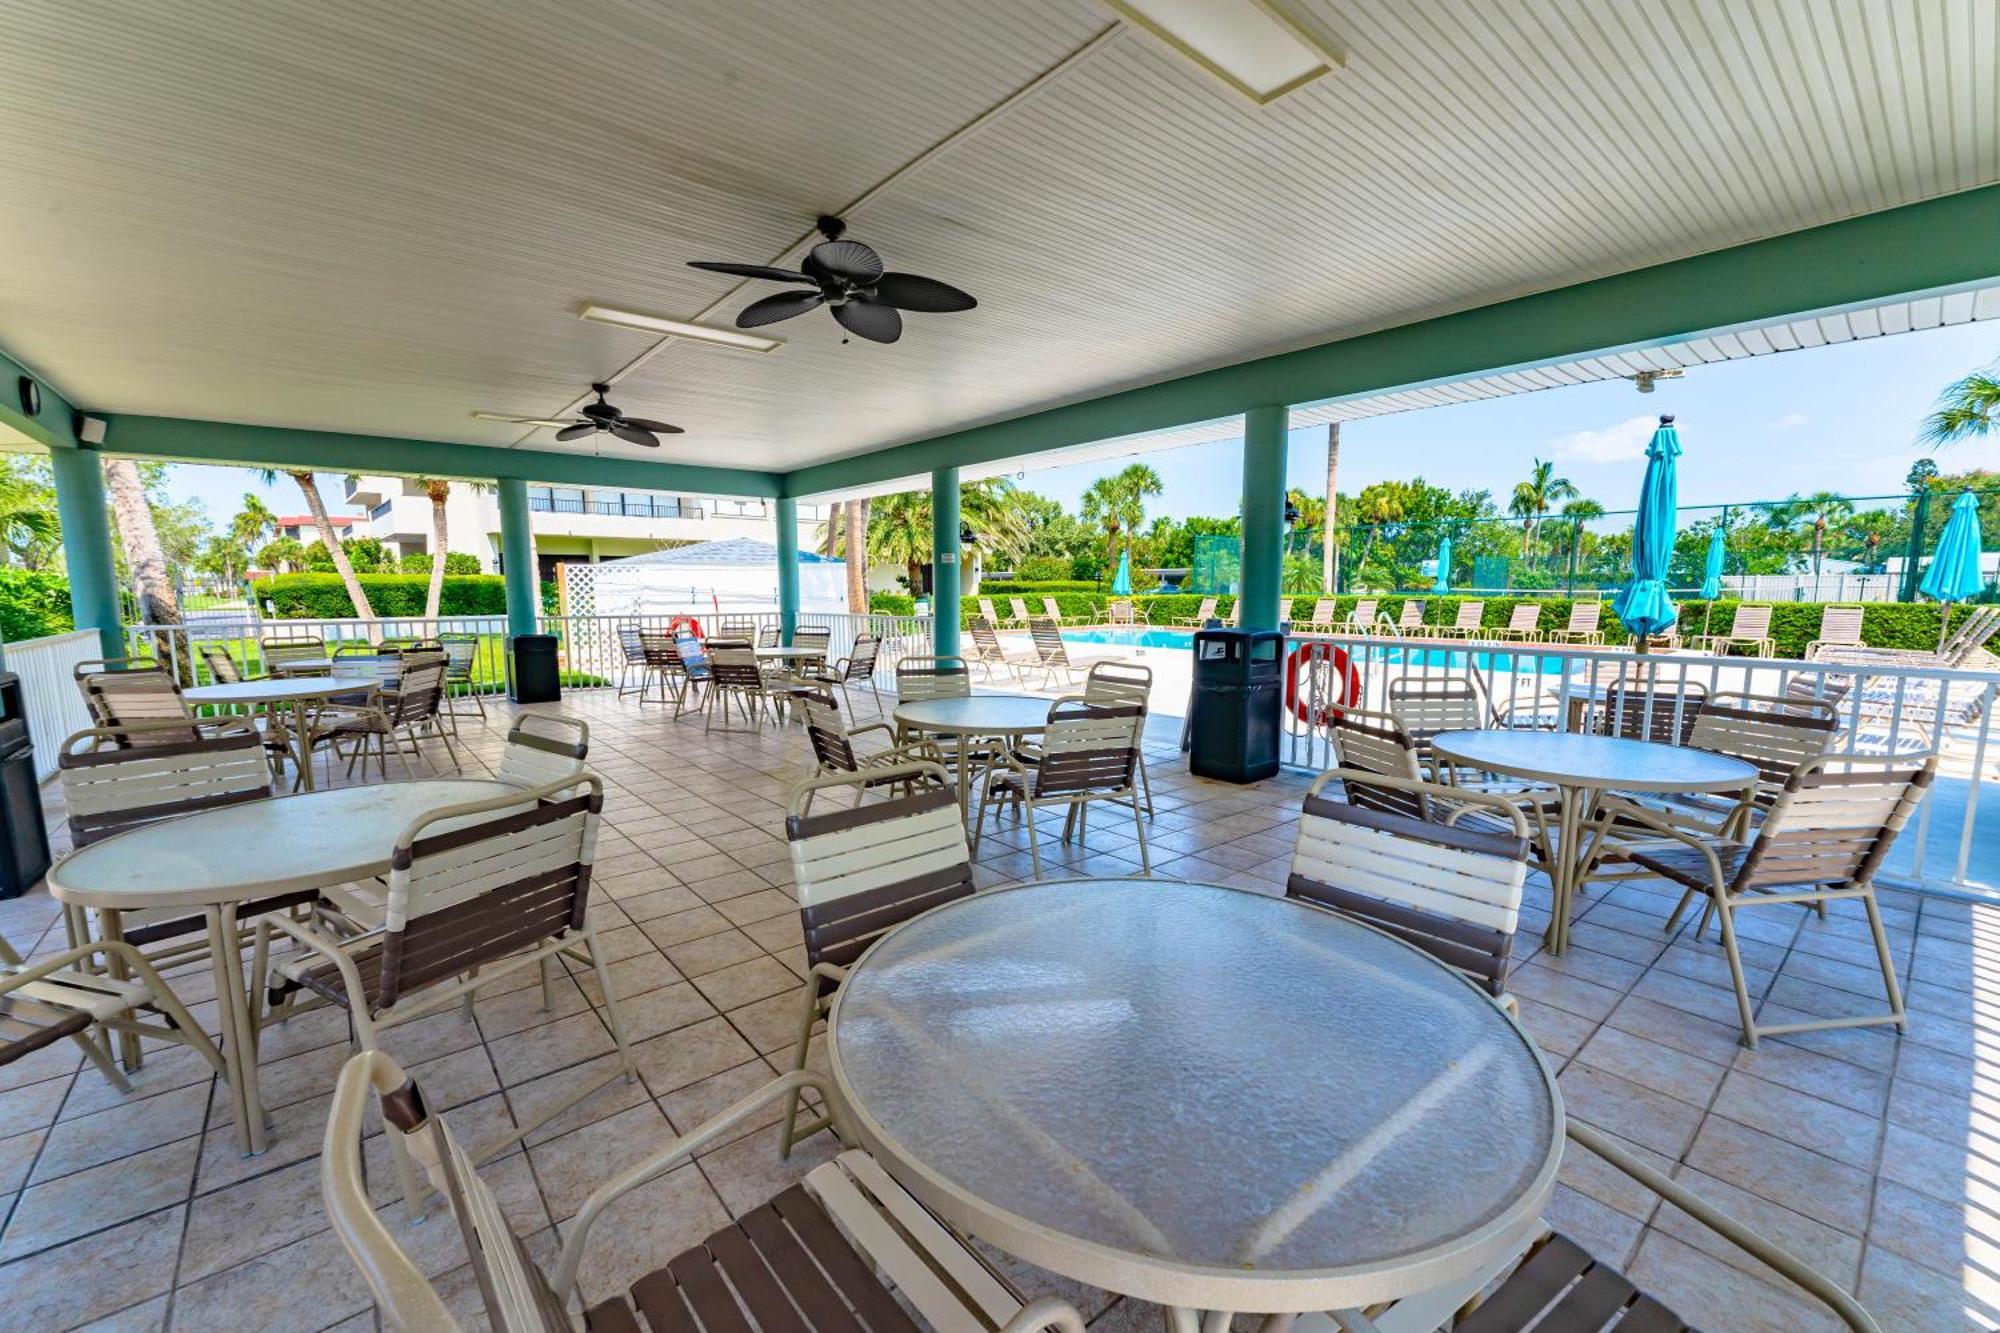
24	836
1239	680
535	678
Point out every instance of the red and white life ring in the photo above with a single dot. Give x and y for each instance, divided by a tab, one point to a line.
1343	681
689	623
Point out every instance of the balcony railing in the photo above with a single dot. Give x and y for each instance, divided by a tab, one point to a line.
625	508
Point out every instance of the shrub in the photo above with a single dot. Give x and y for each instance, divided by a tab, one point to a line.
1021	587
33	605
455	562
323	597
1040	568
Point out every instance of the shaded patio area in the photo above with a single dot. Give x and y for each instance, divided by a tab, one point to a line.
1870	1156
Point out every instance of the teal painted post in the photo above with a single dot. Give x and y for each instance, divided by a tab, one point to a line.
517	557
1263	516
788	568
86	536
944	562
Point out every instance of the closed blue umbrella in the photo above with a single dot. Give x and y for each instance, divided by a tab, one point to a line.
1954	572
1443	583
1711	578
1121	583
1643	605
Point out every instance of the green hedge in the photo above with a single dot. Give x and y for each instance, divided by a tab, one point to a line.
1023	587
1793	624
323	597
33	605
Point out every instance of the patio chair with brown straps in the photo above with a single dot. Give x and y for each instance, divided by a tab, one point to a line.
475	893
1454	892
282	654
1524	623
102	985
1821	841
863	870
660	665
1582	627
857	668
461	655
822	1256
735	676
1657	708
1749	627
1088	753
542	748
1124	683
1466	622
1054	653
122	690
399	716
833	742
632	657
222	668
1429	705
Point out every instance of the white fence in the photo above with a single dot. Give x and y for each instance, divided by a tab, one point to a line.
591	654
47	668
1885	709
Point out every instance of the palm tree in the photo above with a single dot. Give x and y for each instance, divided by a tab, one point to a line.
437	490
899	529
252	521
857	557
1818	510
27	521
1968	408
1533	499
133	515
281	555
1312	516
1328	569
1119	503
309	487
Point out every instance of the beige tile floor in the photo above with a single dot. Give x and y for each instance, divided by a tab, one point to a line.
1877	1158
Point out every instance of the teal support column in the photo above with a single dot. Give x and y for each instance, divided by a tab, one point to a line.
517	557
788	568
86	535
1263	516
944	561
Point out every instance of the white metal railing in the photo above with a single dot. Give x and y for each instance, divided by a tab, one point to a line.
1888	709
55	708
590	652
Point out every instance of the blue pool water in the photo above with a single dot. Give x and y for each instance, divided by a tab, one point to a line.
1387	651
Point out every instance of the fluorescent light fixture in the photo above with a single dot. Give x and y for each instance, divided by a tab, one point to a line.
1254	46
678	328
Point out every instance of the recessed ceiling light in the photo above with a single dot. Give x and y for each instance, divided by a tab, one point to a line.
1254	46
678	328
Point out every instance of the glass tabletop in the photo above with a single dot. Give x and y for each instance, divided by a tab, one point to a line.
977	713
1586	760
1133	1081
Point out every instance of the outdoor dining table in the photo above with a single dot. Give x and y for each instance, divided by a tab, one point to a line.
302	666
1002	716
796	653
298	691
1582	767
214	860
1208	1098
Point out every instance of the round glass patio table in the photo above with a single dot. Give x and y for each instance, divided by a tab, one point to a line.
1582	767
1204	1097
213	860
1007	716
273	691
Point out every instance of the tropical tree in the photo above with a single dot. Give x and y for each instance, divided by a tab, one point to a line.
316	506
857	556
437	490
133	517
222	557
252	521
899	526
1311	512
1118	503
29	530
1534	498
1814	514
1329	568
281	555
1968	408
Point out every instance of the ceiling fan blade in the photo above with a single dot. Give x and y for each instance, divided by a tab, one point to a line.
771	309
656	427
631	434
577	432
848	259
907	291
864	319
750	271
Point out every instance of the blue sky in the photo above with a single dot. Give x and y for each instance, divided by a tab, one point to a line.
1840	418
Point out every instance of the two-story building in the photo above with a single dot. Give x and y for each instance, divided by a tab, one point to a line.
571	523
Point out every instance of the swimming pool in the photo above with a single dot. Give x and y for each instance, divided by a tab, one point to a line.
1388	651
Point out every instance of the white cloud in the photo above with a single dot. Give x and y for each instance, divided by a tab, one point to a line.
1789	421
1613	444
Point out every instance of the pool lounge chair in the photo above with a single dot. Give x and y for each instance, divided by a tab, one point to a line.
1055	613
1410	620
1203	614
1749	628
1323	620
1524	624
1124	611
1466	624
1839	627
1361	620
1583	625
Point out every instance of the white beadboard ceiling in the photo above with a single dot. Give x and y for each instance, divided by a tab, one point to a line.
377	216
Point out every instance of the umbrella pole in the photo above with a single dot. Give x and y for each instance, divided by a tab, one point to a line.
1944	623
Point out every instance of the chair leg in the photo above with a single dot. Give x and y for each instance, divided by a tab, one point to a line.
1034	841
612	1018
1882	956
102	1059
1139	827
808	1015
1726	915
549	983
1146	784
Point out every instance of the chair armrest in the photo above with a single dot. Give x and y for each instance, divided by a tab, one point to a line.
1615	807
1778	1260
658	1163
11	979
1050	1312
852	732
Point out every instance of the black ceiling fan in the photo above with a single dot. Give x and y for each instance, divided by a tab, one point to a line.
599	418
847	278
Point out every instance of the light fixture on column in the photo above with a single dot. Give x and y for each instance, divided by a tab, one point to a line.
1256	47
1645	379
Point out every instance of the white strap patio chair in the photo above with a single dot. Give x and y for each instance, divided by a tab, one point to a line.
1749	628
1089	752
1361	619
1410	617
1524	623
1466	623
1202	614
861	871
543	748
1839	627
1582	626
845	1251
